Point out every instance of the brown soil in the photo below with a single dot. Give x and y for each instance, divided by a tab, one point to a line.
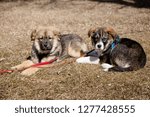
72	81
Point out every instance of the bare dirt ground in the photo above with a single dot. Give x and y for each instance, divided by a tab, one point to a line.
72	81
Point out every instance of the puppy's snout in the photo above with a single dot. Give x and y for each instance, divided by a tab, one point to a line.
45	44
99	46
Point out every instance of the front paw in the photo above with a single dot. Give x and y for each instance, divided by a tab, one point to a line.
16	68
58	60
106	66
13	68
89	60
29	71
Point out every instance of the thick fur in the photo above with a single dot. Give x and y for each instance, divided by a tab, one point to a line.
126	55
72	45
114	53
45	43
48	43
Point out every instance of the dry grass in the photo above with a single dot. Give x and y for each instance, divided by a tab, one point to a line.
71	81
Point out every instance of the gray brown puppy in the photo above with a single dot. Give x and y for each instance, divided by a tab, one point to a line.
118	54
48	43
115	53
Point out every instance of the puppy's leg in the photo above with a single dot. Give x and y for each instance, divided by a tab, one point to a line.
23	65
33	70
106	66
34	53
89	60
121	69
76	49
30	71
121	66
46	59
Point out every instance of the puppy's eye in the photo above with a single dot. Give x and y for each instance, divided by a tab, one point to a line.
49	37
96	36
104	40
41	37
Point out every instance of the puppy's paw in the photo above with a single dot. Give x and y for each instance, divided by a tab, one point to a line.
13	68
90	60
16	68
106	70
80	60
29	71
23	65
46	59
58	60
106	66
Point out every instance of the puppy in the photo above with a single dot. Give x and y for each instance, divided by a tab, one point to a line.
48	44
115	53
44	39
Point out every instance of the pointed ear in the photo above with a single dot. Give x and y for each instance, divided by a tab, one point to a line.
91	32
33	35
57	34
111	32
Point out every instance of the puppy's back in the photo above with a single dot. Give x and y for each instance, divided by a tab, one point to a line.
69	37
74	44
135	51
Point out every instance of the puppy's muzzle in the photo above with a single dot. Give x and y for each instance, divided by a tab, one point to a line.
98	46
46	44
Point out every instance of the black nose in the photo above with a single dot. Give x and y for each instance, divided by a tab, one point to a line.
99	46
45	44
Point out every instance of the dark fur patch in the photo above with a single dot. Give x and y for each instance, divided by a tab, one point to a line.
40	49
127	52
125	55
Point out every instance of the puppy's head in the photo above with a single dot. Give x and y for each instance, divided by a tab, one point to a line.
102	37
45	38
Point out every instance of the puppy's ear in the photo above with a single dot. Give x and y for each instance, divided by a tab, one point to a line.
91	32
33	35
57	34
111	32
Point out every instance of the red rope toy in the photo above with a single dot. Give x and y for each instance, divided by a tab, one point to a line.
35	65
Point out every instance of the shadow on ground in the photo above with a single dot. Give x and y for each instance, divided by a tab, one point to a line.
132	3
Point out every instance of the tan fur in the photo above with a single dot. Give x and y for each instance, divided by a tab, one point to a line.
91	31
25	67
37	45
47	58
30	71
74	52
41	31
74	49
112	33
55	45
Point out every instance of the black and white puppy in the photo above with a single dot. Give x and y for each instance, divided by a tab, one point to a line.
116	54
